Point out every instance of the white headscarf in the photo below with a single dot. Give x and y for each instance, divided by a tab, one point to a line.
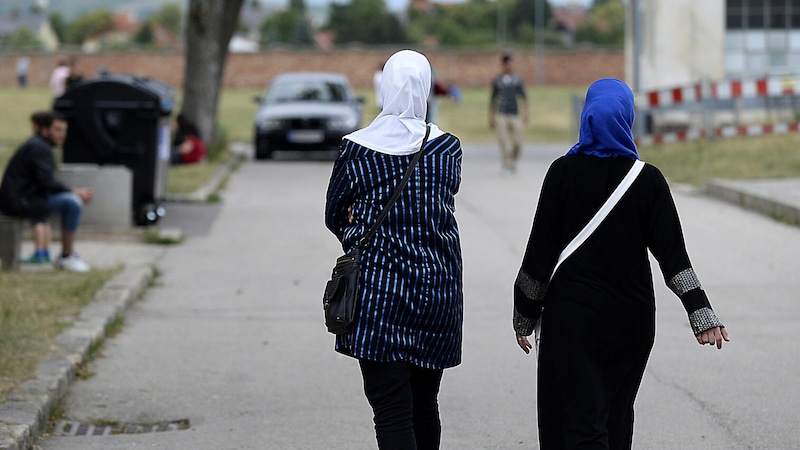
400	126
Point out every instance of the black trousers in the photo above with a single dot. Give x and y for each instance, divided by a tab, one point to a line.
404	403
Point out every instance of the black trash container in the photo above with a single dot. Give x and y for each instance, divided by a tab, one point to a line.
123	120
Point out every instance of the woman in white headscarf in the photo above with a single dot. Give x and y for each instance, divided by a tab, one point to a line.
408	327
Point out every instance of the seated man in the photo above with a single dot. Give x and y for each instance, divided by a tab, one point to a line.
30	190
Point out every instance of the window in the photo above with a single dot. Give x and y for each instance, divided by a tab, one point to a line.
794	40
777	40
777	15
794	14
734	62
761	35
733	15
755	16
756	40
734	40
777	60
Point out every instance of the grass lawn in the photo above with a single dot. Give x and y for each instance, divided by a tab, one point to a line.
696	162
550	121
34	308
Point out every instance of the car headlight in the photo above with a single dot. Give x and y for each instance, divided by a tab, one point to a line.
343	123
269	124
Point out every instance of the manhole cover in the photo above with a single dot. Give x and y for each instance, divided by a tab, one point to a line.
69	428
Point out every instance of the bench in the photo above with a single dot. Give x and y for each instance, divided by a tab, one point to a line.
10	241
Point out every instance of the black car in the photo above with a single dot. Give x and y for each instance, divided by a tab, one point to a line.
305	111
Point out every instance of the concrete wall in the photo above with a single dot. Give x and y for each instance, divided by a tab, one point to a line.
111	205
255	70
683	41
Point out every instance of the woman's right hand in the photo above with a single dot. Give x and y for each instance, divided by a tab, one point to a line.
350	217
524	343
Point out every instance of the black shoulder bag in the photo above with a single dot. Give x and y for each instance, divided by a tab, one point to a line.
339	300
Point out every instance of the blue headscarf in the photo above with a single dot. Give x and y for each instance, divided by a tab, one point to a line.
606	121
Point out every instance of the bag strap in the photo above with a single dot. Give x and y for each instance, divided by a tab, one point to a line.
362	243
601	214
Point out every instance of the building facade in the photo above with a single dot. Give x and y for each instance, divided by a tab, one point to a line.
762	37
687	41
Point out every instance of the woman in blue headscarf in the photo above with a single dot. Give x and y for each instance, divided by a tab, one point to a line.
597	313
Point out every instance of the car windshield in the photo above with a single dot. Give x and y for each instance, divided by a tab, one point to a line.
307	90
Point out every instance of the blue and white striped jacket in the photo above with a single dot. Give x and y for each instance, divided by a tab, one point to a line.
411	296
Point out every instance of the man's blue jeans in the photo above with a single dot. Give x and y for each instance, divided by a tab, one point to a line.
69	206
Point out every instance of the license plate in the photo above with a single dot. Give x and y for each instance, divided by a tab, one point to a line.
306	136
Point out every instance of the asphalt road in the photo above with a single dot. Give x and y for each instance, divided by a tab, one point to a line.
231	336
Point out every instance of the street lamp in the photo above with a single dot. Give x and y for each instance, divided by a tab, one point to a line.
538	41
501	23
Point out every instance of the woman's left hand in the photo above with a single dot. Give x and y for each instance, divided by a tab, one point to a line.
524	344
713	336
350	214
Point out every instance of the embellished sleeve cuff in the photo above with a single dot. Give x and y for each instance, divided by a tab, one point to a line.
703	319
532	289
523	326
683	282
528	302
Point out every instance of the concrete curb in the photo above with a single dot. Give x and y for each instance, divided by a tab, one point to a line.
754	195
26	410
238	153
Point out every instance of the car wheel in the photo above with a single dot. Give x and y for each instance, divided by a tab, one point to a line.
263	149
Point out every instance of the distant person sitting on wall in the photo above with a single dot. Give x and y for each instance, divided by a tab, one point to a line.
187	146
30	190
376	84
58	79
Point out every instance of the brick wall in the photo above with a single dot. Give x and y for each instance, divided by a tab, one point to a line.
465	68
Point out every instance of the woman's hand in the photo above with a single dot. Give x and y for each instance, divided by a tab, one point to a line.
523	343
350	217
713	336
186	146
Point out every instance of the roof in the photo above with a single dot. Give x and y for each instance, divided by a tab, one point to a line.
10	23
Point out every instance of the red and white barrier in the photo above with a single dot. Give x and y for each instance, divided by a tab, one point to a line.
773	86
675	96
722	132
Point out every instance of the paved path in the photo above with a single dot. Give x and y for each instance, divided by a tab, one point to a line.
231	336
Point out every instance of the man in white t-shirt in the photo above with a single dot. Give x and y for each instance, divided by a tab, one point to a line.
376	84
58	79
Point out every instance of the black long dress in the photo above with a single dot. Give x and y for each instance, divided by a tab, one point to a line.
598	312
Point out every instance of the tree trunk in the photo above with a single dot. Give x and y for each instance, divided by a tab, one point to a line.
209	27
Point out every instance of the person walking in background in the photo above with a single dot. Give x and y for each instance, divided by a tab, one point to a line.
408	327
508	113
598	311
29	190
23	67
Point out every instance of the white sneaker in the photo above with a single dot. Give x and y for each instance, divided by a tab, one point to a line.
73	263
